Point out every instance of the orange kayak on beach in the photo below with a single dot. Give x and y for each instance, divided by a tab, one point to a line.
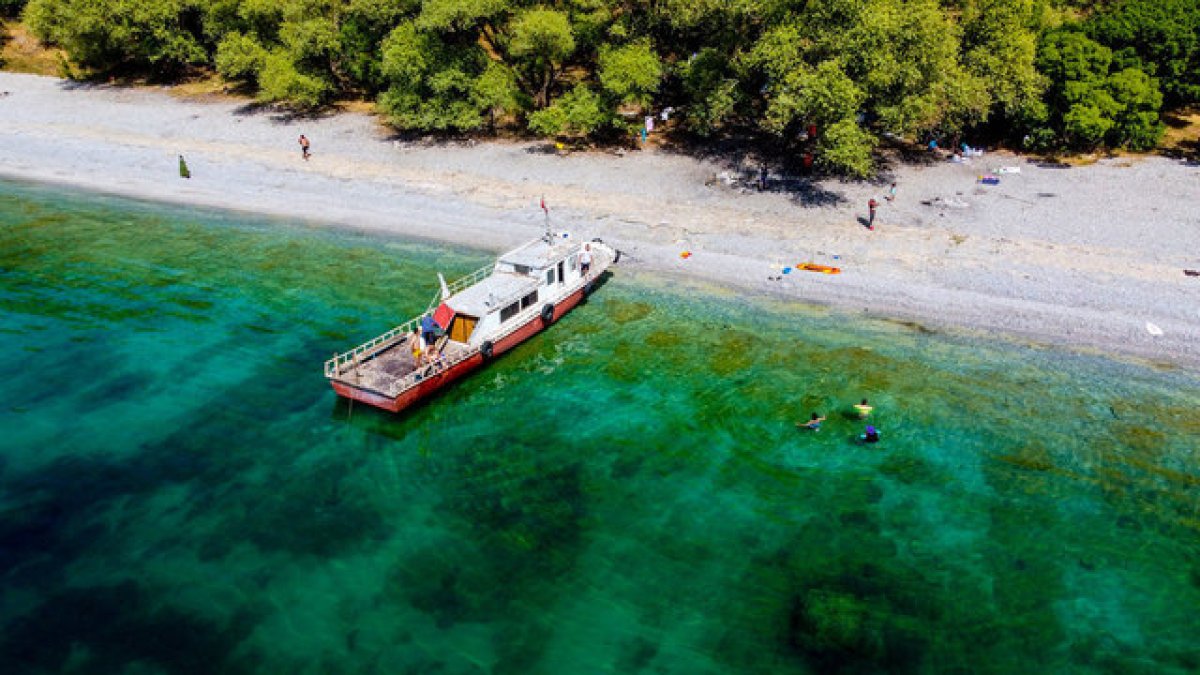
813	267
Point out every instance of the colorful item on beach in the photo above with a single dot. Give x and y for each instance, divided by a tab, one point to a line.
814	267
685	255
989	179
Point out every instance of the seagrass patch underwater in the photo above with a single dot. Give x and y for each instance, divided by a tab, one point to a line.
180	491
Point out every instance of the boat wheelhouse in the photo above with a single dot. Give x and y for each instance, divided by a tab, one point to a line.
474	319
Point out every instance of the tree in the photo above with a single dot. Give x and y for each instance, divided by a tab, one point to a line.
579	112
630	73
1000	48
280	81
711	90
240	58
438	87
496	92
823	95
845	147
1137	123
1165	34
1090	106
539	41
111	34
11	7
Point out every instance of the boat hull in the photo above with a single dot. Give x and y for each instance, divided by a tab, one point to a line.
435	382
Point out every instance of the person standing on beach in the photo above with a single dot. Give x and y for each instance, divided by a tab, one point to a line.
891	195
871	206
304	145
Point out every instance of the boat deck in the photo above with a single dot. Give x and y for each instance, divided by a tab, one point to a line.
393	369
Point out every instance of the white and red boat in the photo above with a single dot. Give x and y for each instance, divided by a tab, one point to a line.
473	320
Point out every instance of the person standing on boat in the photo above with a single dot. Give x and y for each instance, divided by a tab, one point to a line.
585	260
418	343
430	329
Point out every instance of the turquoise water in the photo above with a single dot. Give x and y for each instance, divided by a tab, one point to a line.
180	490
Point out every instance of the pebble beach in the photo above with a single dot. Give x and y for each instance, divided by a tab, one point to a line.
1091	258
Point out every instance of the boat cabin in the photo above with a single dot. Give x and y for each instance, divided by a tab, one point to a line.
522	283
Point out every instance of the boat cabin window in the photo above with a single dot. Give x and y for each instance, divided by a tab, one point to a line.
521	269
573	262
550	276
510	311
529	300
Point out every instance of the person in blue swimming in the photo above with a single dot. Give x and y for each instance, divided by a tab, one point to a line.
870	436
813	423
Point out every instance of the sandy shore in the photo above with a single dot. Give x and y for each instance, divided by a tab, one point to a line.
1079	257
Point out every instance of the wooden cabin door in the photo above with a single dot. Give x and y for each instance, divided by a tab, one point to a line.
463	326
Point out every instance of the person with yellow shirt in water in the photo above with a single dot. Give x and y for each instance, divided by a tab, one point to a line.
864	409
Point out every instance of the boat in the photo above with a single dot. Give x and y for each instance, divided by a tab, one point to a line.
472	321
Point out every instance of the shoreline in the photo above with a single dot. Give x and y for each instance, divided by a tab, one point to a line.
1078	258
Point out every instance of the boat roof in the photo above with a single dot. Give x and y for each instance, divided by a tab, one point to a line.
492	293
539	253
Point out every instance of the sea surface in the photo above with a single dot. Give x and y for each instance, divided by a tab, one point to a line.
181	491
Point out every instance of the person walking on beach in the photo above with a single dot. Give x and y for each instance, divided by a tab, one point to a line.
183	169
871	206
304	146
891	195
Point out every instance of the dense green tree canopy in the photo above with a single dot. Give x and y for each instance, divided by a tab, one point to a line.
1049	73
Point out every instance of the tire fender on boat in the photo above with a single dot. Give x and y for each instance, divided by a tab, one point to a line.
547	313
485	349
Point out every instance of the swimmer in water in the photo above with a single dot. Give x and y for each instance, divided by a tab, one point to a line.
864	409
813	423
871	435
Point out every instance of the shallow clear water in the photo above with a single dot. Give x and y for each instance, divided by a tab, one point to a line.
180	490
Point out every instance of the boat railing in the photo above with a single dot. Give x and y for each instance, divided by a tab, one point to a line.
461	283
335	366
415	377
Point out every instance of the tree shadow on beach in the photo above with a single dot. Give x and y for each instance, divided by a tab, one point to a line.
426	139
283	114
750	162
1182	141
